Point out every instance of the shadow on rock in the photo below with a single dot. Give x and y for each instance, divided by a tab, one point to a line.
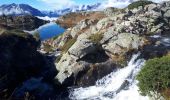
20	61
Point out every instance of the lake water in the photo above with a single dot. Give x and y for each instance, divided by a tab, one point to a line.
48	30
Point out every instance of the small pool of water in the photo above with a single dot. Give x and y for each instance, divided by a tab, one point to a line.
48	30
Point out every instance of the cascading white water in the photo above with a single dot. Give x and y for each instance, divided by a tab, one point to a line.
119	85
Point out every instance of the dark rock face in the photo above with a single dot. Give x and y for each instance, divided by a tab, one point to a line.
26	22
158	47
95	72
19	61
98	56
34	88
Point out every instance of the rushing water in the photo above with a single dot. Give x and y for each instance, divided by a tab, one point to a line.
119	85
164	40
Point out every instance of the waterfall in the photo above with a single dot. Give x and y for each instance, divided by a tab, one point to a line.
118	85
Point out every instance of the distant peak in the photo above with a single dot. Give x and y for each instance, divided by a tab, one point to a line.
19	9
13	4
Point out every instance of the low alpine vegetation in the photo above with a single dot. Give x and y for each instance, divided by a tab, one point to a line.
139	3
154	78
96	38
68	44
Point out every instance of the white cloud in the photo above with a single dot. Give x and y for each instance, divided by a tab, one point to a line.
158	1
123	3
59	4
116	3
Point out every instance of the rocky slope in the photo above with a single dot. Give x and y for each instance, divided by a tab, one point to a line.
26	22
93	48
71	19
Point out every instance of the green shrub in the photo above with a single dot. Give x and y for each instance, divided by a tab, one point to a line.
96	38
139	3
154	78
68	44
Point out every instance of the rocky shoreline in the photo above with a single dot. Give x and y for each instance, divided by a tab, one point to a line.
22	22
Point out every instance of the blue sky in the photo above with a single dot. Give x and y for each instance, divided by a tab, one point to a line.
50	4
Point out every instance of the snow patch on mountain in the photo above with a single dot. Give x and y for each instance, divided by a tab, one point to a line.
24	9
76	8
19	9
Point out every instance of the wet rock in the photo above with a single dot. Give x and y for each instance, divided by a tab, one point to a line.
95	72
77	72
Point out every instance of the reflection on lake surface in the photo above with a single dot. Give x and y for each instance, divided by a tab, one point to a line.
48	30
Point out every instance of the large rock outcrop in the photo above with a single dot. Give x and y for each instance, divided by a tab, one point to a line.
82	48
112	39
123	43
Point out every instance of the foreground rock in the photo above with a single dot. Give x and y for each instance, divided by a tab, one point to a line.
19	61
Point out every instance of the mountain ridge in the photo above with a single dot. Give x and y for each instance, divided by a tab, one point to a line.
19	9
25	9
